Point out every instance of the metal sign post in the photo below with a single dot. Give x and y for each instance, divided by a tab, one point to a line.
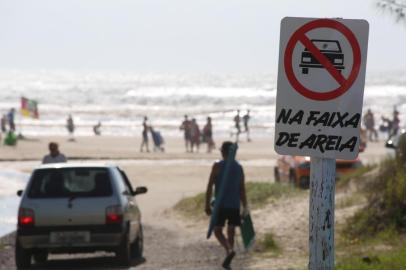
321	213
321	78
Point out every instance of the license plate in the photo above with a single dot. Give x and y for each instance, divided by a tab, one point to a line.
69	237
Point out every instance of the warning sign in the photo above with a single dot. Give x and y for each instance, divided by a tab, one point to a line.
321	81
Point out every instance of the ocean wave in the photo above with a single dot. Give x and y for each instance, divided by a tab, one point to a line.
121	99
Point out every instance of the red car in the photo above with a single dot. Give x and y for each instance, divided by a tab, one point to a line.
296	169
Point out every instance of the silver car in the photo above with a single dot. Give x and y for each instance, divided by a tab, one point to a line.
69	208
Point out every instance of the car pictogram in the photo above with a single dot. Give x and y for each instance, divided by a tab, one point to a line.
331	49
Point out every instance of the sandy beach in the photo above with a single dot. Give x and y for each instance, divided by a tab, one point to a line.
175	174
181	173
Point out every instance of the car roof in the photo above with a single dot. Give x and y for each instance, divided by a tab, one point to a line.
75	165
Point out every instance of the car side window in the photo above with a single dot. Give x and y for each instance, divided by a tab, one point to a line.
126	181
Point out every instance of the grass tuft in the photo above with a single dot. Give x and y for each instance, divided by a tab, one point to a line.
192	206
267	244
261	193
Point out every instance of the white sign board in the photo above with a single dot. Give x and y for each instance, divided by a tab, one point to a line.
321	80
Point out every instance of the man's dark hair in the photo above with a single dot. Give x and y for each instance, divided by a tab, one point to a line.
52	144
225	148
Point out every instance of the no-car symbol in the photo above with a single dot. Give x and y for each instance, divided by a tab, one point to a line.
322	53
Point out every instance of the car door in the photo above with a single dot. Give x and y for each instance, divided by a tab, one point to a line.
132	211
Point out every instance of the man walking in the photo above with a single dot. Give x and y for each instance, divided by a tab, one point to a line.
145	129
229	207
186	127
237	120
369	122
10	119
245	119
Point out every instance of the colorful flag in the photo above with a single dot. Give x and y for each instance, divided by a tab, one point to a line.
29	108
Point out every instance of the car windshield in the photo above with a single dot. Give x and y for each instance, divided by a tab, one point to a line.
326	45
70	182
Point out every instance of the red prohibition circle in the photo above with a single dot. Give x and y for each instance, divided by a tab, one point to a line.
346	83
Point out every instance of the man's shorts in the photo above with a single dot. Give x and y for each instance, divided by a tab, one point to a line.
231	215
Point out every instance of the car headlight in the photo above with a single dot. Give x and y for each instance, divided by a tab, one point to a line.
338	61
306	59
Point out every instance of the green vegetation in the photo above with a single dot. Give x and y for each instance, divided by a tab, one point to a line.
192	206
258	193
267	244
348	201
345	179
261	193
374	238
386	202
393	260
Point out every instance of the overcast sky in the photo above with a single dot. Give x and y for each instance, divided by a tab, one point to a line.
229	36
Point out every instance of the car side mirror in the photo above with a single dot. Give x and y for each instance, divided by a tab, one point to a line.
19	193
140	190
126	193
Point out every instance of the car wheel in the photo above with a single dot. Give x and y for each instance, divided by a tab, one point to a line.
276	175
123	252
138	245
40	256
22	256
305	70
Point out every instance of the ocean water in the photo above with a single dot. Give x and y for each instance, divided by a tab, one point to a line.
120	100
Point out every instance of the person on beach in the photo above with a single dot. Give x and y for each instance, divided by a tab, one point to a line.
185	126
237	120
208	135
369	122
395	123
392	126
10	119
145	129
386	126
246	119
70	125
194	135
54	155
229	209
96	129
4	123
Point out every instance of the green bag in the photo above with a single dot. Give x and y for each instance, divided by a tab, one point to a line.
10	139
247	232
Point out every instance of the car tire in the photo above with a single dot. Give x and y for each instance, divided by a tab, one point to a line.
22	256
123	252
138	245
40	257
276	175
305	71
